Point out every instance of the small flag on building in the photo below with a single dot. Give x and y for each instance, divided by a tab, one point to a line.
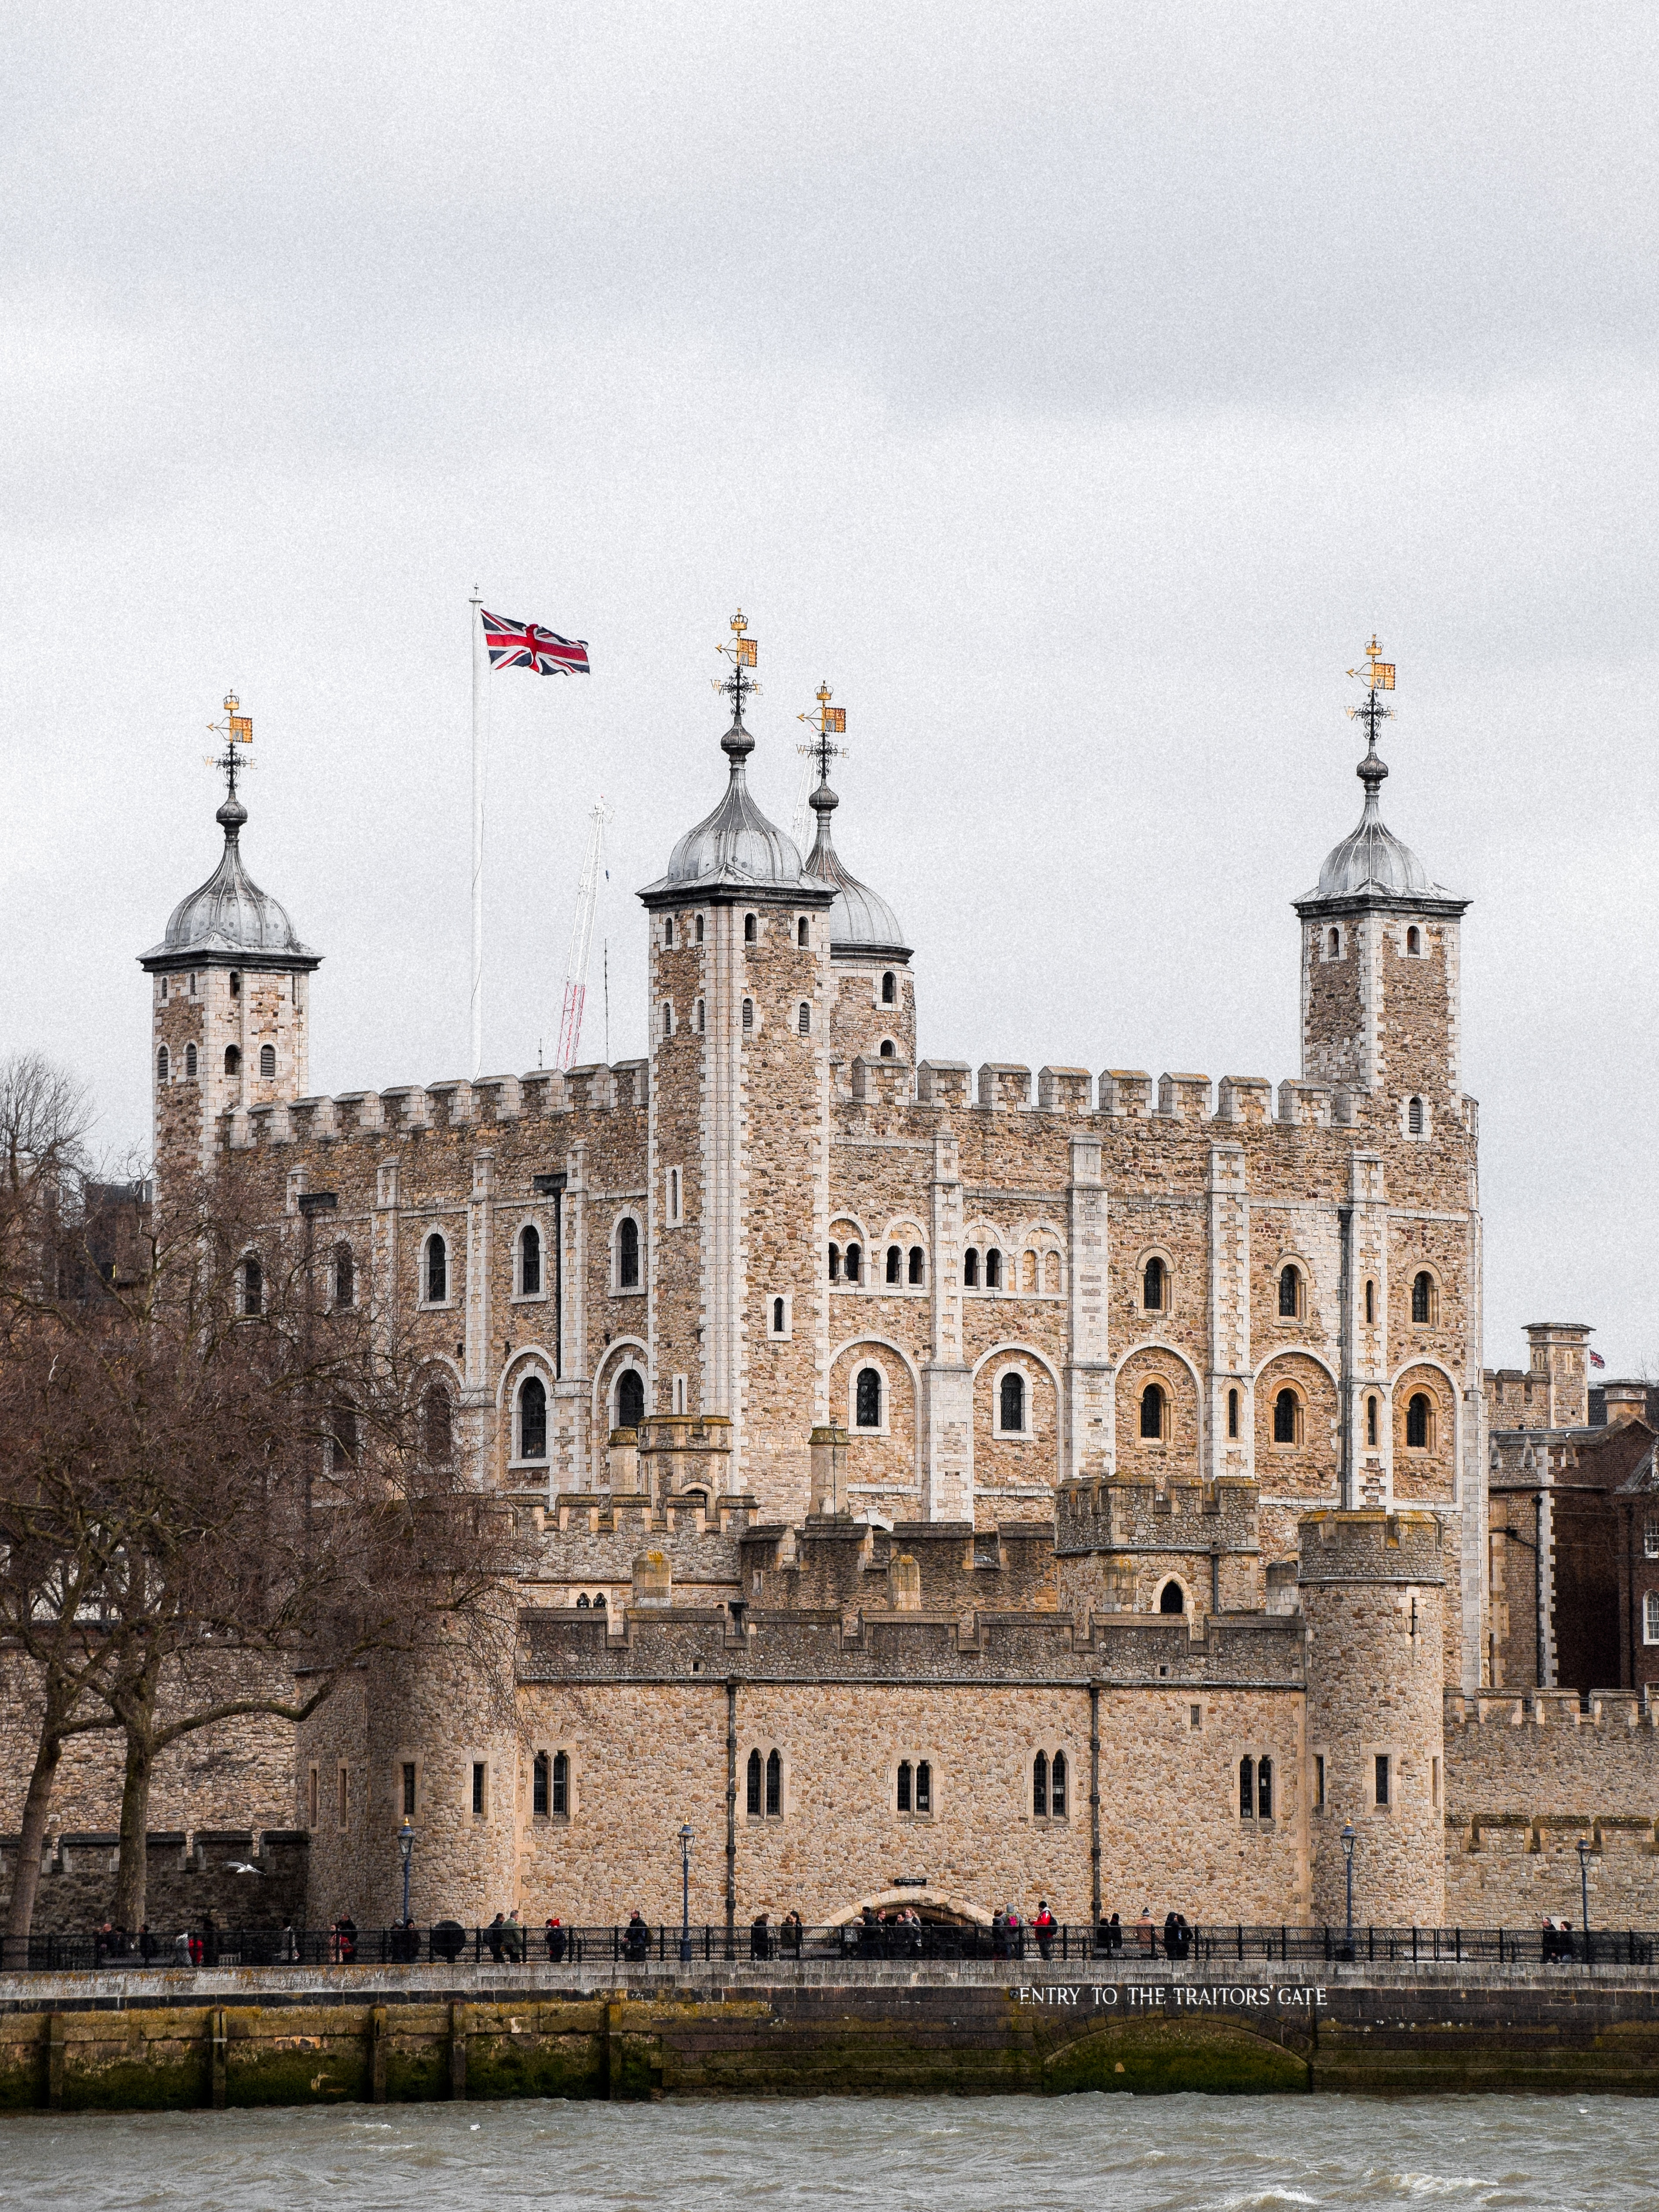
1596	1360
527	645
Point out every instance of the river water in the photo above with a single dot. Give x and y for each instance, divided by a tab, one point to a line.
937	2154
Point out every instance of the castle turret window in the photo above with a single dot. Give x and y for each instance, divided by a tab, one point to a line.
628	1253
162	1064
1419	1422
1287	1417
853	1261
1057	1787
802	932
889	1049
630	1399
667	1019
1333	945
1232	1413
970	1269
1264	1790
253	1285
1040	1786
835	1263
530	1262
1290	1293
1151	1411
1246	1790
1384	1778
895	1262
804	1018
1423	1296
888	988
532	1417
232	1060
235	985
867	1398
750	929
190	1063
697	931
1415	942
437	1271
918	1264
267	1063
1172	1598
748	1016
1152	1285
1012	1404
561	1785
345	1276
538	1792
668	931
1370	1424
1371	1304
1414	1118
774	1785
994	1270
780	1322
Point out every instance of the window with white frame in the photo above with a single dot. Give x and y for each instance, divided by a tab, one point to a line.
532	1418
625	1254
1013	1403
779	1318
680	1391
1650	1539
868	1389
530	1262
913	1788
1651	1618
434	1271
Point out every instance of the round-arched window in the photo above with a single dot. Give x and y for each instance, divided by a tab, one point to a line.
1290	1293
162	1064
532	1417
232	1060
437	1271
530	1262
1012	1408
1153	1288
628	1253
888	988
1419	1421
867	1399
1286	1409
1151	1410
1423	1296
267	1063
630	1399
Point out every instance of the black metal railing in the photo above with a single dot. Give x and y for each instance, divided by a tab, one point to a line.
1218	1948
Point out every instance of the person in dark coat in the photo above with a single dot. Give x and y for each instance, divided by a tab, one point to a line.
636	1939
760	1938
556	1941
496	1936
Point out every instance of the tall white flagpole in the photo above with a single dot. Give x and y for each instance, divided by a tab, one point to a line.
477	838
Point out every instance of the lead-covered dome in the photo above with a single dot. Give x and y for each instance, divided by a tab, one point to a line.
736	844
1371	861
229	915
860	920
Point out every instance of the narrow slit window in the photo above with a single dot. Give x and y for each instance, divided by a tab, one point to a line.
894	1263
1246	1790
1040	1786
753	1798
804	1018
924	1787
750	929
970	1269
1318	1781
530	1262
1371	1304
267	1063
888	988
668	931
1232	1413
774	1785
802	932
1057	1787
1264	1791
190	1063
560	1782
697	931
777	1317
993	1269
162	1064
478	1772
701	1018
253	1285
539	1798
628	1253
1370	1424
345	1276
835	1263
408	1789
918	1264
748	1016
1290	1293
437	1271
1414	1117
1151	1287
904	1785
1383	1778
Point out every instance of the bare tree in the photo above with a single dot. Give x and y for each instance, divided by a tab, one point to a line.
248	1478
45	1116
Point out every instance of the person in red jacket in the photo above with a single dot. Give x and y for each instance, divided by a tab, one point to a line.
1045	1924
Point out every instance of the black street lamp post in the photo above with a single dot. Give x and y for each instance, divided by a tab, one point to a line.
405	1852
685	1897
1348	1841
1583	1890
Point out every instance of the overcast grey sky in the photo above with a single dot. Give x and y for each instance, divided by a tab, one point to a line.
1075	387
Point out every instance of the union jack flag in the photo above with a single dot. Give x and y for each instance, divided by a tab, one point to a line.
527	645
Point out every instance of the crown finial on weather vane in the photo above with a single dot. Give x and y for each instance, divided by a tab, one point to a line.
236	729
829	722
1376	675
740	652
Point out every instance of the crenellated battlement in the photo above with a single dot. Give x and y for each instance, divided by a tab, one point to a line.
1371	1548
1129	1094
1127	1514
405	1109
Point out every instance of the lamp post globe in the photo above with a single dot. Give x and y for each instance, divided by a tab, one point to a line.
1349	1839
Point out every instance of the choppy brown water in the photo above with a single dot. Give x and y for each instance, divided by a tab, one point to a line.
1165	2155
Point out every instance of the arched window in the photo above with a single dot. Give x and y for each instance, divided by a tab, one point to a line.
1172	1598
267	1063
1423	1296
538	1789
235	985
253	1285
1414	941
598	1603
894	1263
1246	1790
1040	1785
1232	1413
437	1431
774	1785
561	1785
1151	1410
1057	1787
530	1261
1370	1424
924	1787
867	1398
993	1269
628	1253
1290	1293
668	931
778	1312
1286	1411
698	929
700	1030
804	1018
750	930
918	1264
905	1779
1370	1304
532	1417
581	1602
1420	1420
437	1271
630	1399
667	1019
753	1776
1013	1408
835	1263
162	1064
748	1016
345	1276
970	1269
190	1062
1152	1286
232	1060
888	1050
1335	943
1414	1117
888	988
801	931
853	1260
1264	1791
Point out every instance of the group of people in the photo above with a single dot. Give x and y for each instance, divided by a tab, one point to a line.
1009	1931
765	1941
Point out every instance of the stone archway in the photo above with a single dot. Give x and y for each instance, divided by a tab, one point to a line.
936	1906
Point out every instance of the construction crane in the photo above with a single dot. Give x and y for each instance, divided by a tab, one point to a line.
582	939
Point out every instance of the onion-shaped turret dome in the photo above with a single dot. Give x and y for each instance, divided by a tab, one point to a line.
229	916
736	844
1371	862
860	920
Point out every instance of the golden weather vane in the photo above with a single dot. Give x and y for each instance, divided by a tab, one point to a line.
829	722
1376	675
236	729
740	650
